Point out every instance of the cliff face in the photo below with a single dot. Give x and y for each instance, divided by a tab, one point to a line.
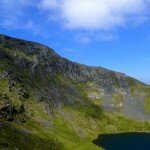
116	91
37	82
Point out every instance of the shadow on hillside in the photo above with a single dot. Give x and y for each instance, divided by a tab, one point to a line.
11	138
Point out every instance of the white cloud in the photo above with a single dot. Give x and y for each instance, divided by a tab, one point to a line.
97	14
90	15
49	4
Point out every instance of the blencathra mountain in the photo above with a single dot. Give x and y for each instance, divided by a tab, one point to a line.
49	102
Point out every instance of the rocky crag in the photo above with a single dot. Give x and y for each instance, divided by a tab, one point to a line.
63	104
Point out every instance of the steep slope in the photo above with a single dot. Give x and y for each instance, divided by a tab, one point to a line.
47	100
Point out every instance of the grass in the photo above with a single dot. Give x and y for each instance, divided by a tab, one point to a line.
15	138
16	53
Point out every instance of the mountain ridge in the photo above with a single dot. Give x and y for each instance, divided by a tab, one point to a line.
58	99
54	53
36	43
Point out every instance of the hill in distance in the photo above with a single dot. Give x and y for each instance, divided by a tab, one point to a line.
49	102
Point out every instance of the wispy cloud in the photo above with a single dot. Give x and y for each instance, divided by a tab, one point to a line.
97	18
97	14
87	37
14	15
11	12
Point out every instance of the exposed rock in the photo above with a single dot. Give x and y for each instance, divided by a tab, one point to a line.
95	95
9	111
58	79
4	97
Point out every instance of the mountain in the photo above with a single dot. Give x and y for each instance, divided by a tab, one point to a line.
47	101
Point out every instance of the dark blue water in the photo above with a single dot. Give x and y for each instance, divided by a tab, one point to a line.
124	141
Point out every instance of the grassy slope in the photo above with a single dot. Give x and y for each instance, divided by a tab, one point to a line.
72	126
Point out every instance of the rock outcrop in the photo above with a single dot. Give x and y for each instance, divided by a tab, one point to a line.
40	61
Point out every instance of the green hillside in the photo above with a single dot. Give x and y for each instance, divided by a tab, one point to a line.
49	102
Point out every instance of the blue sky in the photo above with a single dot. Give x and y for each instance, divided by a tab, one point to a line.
110	33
